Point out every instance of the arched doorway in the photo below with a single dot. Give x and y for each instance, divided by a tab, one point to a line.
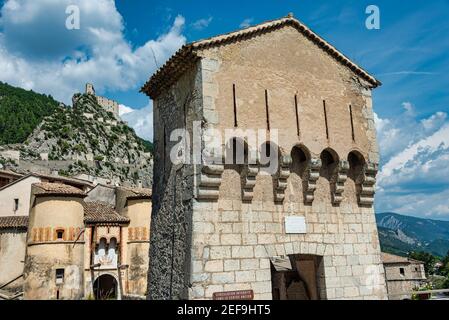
105	287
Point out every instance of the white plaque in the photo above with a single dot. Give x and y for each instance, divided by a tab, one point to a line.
295	225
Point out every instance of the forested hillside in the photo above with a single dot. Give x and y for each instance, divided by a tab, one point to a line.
21	111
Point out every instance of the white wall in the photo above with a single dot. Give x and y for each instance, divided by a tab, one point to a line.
20	190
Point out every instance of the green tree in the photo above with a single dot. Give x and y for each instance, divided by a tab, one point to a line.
428	259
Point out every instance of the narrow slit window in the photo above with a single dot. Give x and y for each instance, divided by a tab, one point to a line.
325	119
59	276
402	271
60	234
235	105
16	204
297	116
267	110
352	122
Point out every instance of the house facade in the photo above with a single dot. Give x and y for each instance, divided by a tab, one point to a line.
403	275
303	230
76	245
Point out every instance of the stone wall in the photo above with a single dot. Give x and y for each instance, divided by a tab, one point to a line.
12	253
173	190
46	253
326	174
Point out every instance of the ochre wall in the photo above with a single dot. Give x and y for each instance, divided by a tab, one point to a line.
46	254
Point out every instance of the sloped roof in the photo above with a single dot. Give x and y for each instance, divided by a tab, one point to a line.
64	179
14	222
46	188
391	258
99	212
137	193
187	54
11	173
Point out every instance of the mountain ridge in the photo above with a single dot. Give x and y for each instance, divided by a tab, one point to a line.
401	234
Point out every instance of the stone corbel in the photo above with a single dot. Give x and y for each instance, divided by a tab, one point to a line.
338	181
366	184
311	175
249	181
209	181
281	177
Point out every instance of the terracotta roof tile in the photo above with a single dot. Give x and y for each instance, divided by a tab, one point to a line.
391	258
187	54
16	222
137	192
46	188
99	212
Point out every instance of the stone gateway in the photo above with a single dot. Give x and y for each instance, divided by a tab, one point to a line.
222	227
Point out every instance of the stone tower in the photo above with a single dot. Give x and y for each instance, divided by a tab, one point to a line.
55	244
298	226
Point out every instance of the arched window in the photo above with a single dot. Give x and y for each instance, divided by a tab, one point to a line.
300	156
236	152
356	163
269	157
329	159
112	252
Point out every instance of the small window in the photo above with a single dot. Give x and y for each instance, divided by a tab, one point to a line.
16	204
59	276
60	234
402	271
416	269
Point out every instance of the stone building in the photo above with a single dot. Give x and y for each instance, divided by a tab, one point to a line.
13	231
77	245
15	196
403	275
107	104
7	176
305	231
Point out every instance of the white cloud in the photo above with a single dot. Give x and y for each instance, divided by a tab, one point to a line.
246	23
409	109
38	52
202	23
141	120
122	109
414	177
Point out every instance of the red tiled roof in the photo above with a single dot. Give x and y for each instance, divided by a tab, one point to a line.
14	222
99	212
185	56
391	258
133	193
46	188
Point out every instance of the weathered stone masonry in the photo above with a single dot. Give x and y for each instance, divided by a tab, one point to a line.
217	227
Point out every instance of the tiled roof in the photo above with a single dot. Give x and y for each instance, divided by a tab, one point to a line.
11	173
17	222
63	179
98	212
46	188
137	192
185	56
391	258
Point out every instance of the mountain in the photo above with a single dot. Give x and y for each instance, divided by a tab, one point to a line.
400	234
21	111
83	139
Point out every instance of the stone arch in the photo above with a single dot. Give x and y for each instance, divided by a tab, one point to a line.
235	164
329	164
266	181
357	164
105	287
300	156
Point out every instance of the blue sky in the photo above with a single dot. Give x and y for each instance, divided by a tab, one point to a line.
115	44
